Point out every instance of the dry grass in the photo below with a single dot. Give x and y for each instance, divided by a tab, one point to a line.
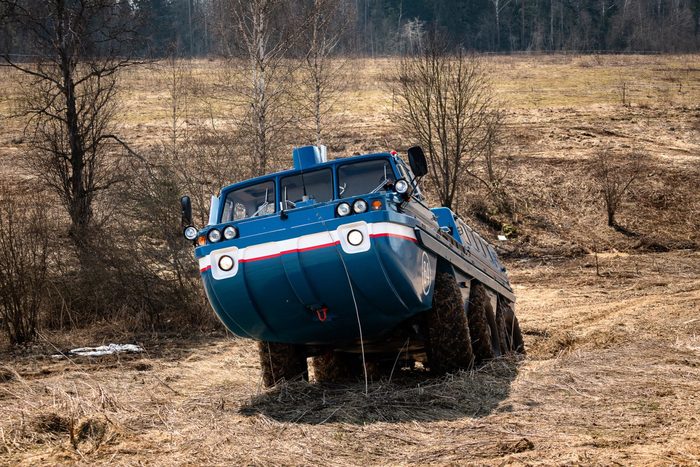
613	367
612	376
561	109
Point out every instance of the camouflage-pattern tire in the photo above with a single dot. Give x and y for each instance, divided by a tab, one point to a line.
449	347
502	329
282	362
515	340
335	367
478	308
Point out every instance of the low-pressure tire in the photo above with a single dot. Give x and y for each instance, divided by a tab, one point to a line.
514	340
449	346
502	330
478	310
282	362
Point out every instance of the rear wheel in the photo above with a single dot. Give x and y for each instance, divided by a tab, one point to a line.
282	362
514	337
333	367
449	346
478	312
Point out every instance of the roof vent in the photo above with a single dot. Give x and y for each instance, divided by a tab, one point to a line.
306	157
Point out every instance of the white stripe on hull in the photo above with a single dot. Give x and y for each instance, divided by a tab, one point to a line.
306	243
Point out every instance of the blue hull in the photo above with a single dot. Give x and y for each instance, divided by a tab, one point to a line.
301	285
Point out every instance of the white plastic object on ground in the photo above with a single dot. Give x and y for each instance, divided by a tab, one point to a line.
102	350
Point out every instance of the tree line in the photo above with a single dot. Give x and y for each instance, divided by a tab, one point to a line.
202	28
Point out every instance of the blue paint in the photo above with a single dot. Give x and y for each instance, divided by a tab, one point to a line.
293	259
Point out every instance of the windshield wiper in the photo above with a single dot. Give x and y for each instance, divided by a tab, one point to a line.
263	206
381	185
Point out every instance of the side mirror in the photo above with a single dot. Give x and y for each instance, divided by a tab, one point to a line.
186	206
416	158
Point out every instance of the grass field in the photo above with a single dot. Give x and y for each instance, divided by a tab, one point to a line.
612	328
612	375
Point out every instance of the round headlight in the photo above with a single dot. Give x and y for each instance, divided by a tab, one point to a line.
355	237
359	206
225	263
190	233
343	209
214	235
401	186
230	232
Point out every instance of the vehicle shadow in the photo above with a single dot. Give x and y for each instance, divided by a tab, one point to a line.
409	396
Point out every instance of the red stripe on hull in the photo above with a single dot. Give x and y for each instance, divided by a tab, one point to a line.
296	250
403	237
310	248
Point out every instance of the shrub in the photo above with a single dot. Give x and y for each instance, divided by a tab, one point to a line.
23	268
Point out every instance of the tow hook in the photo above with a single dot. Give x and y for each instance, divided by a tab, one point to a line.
321	313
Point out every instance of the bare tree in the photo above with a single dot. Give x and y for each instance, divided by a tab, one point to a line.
446	103
258	50
327	23
78	49
614	174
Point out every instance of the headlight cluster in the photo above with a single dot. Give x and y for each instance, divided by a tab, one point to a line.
215	235
190	233
358	207
401	186
230	232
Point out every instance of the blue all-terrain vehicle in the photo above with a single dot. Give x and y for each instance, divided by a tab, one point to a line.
342	259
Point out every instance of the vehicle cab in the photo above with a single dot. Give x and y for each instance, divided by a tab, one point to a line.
288	250
314	190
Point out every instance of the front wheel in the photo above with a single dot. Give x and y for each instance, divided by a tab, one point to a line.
335	367
449	347
282	362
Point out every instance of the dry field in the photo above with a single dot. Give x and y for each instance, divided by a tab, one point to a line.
612	373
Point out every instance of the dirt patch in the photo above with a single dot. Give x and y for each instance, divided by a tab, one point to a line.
91	432
143	366
52	423
7	374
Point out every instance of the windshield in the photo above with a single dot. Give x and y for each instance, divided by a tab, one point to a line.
360	178
316	185
251	201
